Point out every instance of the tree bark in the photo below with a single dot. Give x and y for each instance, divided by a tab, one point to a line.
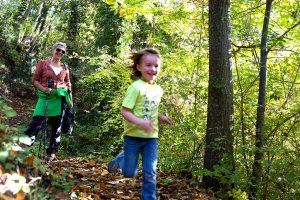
219	133
260	123
72	42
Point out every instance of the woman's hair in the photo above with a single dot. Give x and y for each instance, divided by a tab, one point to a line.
136	58
59	44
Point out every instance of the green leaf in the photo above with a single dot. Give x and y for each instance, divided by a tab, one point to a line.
3	154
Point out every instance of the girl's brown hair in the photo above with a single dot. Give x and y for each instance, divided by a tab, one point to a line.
136	58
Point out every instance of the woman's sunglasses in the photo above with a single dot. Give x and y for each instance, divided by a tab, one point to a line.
60	50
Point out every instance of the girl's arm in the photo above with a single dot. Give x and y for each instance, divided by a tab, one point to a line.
144	124
165	119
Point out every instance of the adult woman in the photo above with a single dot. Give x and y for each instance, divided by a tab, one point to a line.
52	79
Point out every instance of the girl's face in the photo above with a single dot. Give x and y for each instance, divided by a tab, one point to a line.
149	67
58	52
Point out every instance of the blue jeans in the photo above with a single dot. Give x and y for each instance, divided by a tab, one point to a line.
128	162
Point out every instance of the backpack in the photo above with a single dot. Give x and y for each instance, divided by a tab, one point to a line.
68	118
68	121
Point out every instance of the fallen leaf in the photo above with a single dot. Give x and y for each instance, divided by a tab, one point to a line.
105	172
21	195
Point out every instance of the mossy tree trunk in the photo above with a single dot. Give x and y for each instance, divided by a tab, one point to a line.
219	133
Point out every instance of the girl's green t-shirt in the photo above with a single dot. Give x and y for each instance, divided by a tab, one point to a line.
143	99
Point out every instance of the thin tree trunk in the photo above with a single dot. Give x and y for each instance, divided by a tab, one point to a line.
72	42
260	137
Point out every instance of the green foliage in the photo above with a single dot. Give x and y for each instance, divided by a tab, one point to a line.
6	110
109	29
237	194
21	172
98	120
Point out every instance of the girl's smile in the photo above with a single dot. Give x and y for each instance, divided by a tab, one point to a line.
149	67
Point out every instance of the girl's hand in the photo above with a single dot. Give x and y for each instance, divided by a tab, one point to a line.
146	125
165	119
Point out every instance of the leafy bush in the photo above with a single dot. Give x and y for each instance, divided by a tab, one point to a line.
22	175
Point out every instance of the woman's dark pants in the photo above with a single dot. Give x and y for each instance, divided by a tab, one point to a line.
36	125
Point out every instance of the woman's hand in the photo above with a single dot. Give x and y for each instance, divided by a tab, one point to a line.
47	90
39	86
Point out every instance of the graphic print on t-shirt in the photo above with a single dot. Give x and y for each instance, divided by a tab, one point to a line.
151	105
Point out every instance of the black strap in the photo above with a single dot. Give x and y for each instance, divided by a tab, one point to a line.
48	76
64	66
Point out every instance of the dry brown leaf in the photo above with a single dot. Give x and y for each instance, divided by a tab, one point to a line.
70	176
84	179
84	188
102	185
125	197
92	163
61	195
22	171
104	172
119	192
1	170
21	195
2	132
95	197
13	153
29	160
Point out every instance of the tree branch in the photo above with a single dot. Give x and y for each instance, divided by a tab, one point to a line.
284	34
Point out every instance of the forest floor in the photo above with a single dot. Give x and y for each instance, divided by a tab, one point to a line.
93	181
89	178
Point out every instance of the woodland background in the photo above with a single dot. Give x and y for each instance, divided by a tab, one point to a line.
99	35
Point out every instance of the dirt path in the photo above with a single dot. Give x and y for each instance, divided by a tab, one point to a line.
91	180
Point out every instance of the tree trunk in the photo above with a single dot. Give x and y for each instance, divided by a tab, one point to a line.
72	42
260	137
219	133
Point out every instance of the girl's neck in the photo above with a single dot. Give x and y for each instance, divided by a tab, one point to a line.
147	81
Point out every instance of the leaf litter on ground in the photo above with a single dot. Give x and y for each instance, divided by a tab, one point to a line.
91	180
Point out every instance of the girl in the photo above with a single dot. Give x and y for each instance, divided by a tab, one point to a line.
140	111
